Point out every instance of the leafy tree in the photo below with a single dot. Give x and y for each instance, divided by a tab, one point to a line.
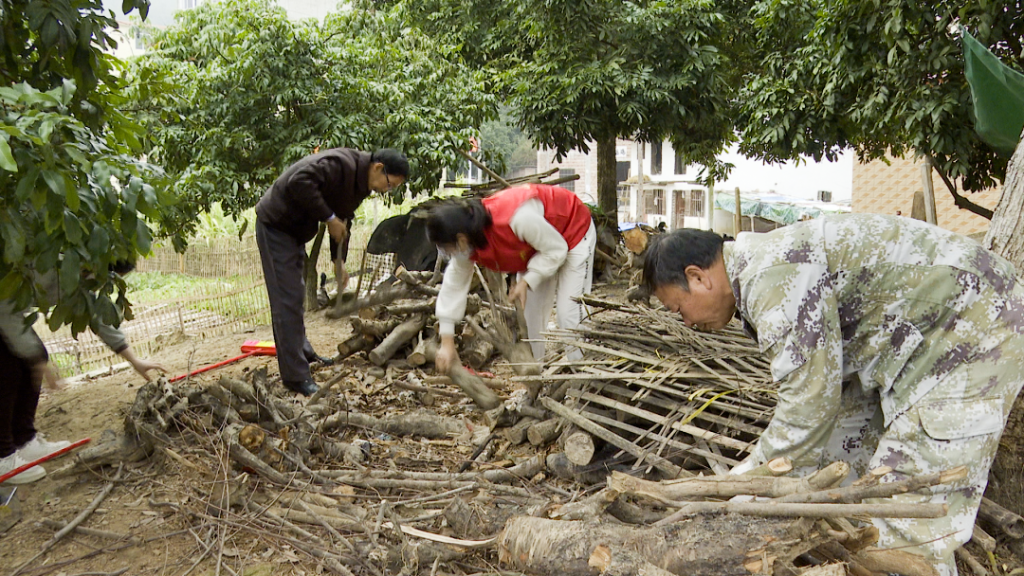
75	198
235	92
507	142
582	71
883	76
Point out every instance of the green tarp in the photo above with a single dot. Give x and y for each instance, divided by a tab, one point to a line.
998	95
771	209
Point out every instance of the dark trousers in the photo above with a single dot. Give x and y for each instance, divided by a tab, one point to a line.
283	259
19	397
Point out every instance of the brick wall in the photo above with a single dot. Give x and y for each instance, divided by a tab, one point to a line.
879	188
584	165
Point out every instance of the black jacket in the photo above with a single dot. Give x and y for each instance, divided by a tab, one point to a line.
333	181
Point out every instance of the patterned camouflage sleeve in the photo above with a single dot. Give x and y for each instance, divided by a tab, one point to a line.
793	308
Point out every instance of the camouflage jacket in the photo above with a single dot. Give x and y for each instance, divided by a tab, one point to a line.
895	301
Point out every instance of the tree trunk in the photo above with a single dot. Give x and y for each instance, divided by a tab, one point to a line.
309	272
1009	214
719	545
607	195
1005	239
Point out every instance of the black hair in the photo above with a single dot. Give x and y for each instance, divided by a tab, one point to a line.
453	217
670	254
122	267
395	163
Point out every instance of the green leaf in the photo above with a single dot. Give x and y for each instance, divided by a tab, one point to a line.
14	242
9	285
70	271
55	181
6	157
27	184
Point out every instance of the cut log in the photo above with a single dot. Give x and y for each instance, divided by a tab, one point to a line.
382	295
354	344
517	433
421	423
377	328
728	486
544	432
1009	523
477	352
423	353
475	388
726	546
578	446
399	337
775	467
560	466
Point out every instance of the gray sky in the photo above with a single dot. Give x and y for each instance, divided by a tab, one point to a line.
801	181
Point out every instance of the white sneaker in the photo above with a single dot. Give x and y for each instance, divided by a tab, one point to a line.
38	447
15	461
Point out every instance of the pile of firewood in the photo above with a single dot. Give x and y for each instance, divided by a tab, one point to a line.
288	471
614	463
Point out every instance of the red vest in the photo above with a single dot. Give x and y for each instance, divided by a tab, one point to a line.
505	252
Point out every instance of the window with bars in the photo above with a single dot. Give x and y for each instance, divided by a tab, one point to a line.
696	203
655	202
622	196
571	184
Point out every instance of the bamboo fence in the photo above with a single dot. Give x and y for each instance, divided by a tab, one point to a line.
212	310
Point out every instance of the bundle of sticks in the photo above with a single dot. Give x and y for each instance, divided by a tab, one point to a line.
648	388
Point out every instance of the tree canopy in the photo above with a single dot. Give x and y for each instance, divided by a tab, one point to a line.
884	76
75	197
235	92
577	72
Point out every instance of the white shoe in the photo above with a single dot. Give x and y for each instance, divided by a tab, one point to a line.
15	461
38	447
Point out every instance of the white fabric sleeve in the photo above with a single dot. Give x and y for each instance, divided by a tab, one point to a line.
451	300
529	225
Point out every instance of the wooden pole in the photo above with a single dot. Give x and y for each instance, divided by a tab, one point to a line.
929	192
737	218
639	179
487	170
711	208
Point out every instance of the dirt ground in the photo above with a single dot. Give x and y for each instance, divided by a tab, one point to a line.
86	410
164	542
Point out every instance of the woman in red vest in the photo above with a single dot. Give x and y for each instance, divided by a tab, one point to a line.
544	233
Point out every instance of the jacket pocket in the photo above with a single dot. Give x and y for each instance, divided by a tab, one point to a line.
956	419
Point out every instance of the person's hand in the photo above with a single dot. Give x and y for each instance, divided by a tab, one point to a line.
338	229
144	366
447	355
44	374
518	293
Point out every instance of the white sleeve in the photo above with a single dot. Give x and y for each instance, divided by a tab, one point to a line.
529	225
451	300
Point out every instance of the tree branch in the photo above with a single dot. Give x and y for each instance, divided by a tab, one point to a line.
961	202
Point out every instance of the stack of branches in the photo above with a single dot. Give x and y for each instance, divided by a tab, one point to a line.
277	469
396	327
651	394
797	526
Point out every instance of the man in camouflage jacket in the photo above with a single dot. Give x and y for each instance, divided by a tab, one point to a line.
895	343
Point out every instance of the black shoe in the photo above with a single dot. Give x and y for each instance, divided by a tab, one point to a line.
306	387
322	360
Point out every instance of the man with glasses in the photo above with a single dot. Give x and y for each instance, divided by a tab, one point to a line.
325	187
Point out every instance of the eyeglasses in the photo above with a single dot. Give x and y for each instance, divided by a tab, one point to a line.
386	177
